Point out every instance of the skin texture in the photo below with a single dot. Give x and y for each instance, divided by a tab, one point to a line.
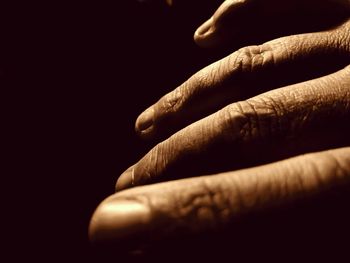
235	111
203	203
219	29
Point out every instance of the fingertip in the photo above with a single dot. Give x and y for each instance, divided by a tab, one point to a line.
222	24
205	28
95	224
144	125
92	230
205	35
125	180
145	120
118	220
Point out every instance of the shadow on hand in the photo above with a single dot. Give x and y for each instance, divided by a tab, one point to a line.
311	229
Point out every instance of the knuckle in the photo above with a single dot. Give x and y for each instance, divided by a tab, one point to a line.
172	101
253	58
251	129
234	122
273	117
253	119
205	206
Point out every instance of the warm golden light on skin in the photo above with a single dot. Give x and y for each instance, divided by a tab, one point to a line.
116	219
245	129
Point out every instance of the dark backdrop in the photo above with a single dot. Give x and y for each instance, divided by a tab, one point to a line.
75	76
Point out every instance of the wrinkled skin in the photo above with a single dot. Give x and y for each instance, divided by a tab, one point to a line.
256	138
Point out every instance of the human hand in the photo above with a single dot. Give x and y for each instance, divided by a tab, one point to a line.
235	20
267	127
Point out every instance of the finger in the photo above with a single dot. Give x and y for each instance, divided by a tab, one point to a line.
287	116
209	203
208	34
235	17
245	73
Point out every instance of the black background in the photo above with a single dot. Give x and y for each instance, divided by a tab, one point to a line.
75	76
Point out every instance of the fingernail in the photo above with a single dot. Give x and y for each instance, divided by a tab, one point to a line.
205	28
119	220
125	180
145	120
